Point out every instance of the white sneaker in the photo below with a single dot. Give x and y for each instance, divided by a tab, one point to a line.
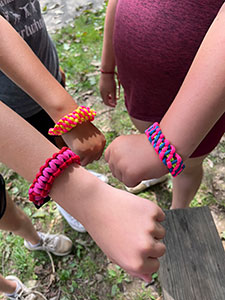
76	225
145	184
22	292
57	244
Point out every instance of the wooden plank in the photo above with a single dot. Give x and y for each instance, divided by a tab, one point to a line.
193	267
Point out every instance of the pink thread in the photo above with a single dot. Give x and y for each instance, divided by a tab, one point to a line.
44	179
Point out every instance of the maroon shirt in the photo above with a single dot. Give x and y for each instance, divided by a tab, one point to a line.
155	43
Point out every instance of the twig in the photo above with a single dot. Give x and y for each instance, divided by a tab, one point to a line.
3	268
52	276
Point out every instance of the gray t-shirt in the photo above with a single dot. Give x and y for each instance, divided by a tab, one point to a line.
25	16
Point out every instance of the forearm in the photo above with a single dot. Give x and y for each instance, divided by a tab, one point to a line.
23	67
22	148
25	150
201	99
108	57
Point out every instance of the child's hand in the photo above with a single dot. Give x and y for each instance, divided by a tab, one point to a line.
86	141
107	86
132	159
127	228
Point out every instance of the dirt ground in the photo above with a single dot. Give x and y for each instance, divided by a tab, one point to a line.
58	13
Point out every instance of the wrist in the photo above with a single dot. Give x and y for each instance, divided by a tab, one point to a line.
108	72
166	151
108	66
175	135
77	191
40	189
78	116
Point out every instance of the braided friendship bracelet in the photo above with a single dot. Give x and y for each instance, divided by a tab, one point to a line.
41	186
110	72
68	122
167	152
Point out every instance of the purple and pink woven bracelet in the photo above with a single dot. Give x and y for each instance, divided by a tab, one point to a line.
167	152
41	186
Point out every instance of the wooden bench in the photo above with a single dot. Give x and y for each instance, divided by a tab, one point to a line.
193	267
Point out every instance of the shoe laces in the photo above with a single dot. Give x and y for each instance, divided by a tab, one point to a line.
29	295
49	242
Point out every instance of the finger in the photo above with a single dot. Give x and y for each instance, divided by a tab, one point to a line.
146	277
117	174
84	161
99	155
112	104
104	98
115	170
158	249
111	101
107	99
149	266
107	154
160	215
155	249
159	232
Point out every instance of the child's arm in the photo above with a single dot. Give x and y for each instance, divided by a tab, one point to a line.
22	66
125	227
196	108
107	84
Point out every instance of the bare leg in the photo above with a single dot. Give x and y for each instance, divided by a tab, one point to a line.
16	221
7	286
186	185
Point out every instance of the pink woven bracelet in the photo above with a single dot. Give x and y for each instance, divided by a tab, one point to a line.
41	186
166	151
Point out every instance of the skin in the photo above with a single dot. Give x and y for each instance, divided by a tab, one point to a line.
123	222
127	228
185	124
15	61
107	83
14	220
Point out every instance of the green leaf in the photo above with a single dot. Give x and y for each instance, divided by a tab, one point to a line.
114	290
112	273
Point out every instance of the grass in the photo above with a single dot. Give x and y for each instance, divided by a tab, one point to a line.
85	273
79	48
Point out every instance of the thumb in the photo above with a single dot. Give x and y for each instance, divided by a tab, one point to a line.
146	277
107	154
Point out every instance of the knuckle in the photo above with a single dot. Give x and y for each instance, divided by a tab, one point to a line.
155	266
151	228
163	250
163	231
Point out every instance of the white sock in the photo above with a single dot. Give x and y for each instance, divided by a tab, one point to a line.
18	287
35	245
